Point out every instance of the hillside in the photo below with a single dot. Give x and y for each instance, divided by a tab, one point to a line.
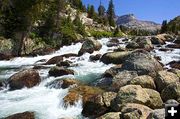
131	22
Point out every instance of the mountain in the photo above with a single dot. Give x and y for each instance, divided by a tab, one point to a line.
131	22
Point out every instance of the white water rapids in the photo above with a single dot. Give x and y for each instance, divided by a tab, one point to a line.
48	103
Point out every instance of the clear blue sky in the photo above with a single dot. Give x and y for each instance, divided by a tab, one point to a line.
153	10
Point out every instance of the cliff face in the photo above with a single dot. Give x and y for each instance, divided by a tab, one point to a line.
130	21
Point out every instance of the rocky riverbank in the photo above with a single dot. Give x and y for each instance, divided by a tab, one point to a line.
109	78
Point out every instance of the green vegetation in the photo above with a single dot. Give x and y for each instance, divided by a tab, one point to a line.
111	13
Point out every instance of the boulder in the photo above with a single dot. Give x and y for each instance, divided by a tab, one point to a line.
110	115
81	92
172	91
176	46
112	71
164	78
157	114
165	37
122	79
95	57
155	99
24	115
66	63
90	45
144	81
54	60
140	42
171	101
175	71
42	51
175	64
142	62
60	71
98	104
177	41
157	40
130	94
113	42
26	78
5	56
135	111
120	49
63	83
114	57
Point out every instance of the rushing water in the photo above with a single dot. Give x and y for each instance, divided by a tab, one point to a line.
48	103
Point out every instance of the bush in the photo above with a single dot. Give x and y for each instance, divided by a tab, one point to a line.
100	34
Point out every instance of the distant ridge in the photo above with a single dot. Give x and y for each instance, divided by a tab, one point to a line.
131	22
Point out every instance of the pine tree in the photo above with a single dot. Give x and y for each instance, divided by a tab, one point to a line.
101	10
111	13
91	12
164	27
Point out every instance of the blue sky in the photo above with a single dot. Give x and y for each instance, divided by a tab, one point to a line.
153	10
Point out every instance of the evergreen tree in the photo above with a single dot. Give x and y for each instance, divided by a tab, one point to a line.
111	13
101	10
164	26
79	27
91	12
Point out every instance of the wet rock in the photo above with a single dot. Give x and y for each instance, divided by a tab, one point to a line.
120	49
165	49
140	42
54	60
66	63
81	92
112	42
24	115
90	45
130	94
5	56
60	71
177	41
114	57
164	78
175	64
112	71
95	57
144	81
157	40
40	61
176	46
135	111
172	91
110	115
142	62
122	79
63	83
157	114
40	67
69	55
26	78
155	99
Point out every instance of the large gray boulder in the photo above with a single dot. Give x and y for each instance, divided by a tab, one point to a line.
90	45
114	57
142	62
26	78
157	114
164	78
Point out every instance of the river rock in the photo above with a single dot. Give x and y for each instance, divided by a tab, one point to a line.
113	42
81	92
177	41
164	78
157	40
24	115
176	46
140	42
130	94
144	81
122	79
142	62
90	45
114	57
172	91
60	71
54	60
26	78
42	51
95	57
112	71
110	115
66	63
6	56
63	83
135	111
157	114
155	99
175	64
171	101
